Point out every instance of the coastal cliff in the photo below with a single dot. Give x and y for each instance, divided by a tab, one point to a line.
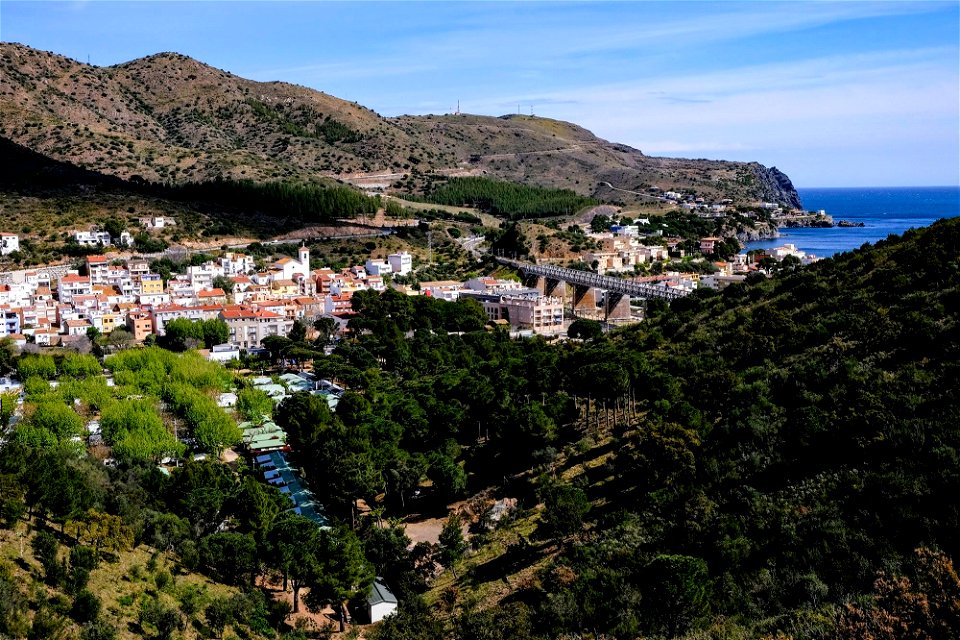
775	186
762	231
771	230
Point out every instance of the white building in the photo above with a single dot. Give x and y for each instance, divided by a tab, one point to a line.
224	352
381	602
157	222
378	267
92	238
73	284
448	290
9	322
9	242
401	263
289	268
236	264
201	277
525	311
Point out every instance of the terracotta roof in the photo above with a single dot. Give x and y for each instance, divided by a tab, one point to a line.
249	313
211	293
72	277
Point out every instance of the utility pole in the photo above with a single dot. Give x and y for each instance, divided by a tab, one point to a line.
429	247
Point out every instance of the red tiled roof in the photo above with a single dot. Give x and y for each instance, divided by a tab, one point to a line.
71	277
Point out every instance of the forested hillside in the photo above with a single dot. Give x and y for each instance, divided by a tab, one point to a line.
779	460
794	470
507	199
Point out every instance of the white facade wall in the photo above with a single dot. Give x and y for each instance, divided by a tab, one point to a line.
401	263
9	243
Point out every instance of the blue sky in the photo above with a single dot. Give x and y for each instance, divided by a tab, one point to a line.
834	94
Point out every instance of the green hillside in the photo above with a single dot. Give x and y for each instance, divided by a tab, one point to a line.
779	460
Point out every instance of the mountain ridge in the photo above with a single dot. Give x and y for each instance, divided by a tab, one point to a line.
167	117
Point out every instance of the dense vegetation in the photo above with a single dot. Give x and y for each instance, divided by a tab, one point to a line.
776	460
307	203
226	206
507	199
790	467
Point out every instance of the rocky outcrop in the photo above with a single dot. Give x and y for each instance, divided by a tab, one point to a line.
775	186
760	232
818	220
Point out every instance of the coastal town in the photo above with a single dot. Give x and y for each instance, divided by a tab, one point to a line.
117	290
513	321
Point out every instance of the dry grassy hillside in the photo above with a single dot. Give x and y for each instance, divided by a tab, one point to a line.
168	117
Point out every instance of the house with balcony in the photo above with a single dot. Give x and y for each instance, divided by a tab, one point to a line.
73	284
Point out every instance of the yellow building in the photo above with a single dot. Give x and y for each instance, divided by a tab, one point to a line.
151	284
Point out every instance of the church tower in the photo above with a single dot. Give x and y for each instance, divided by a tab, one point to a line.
305	259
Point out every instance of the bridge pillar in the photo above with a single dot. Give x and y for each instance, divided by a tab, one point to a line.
616	306
584	301
554	287
532	281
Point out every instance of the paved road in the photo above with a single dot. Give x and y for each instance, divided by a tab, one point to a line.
636	193
472	244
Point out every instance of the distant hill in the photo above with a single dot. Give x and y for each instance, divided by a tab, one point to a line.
170	118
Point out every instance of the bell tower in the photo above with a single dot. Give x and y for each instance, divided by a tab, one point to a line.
304	255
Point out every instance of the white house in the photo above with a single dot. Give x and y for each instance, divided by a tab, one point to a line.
448	290
381	602
72	285
401	263
224	352
157	222
92	238
236	264
9	242
378	267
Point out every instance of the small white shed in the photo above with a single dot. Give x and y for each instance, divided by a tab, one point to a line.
381	602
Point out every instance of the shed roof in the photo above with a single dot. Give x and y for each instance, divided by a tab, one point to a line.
380	594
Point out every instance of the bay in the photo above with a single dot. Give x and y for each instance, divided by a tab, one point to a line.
882	210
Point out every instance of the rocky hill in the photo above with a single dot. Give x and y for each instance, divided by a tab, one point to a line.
170	118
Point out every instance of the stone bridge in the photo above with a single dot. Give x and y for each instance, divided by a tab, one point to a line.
617	291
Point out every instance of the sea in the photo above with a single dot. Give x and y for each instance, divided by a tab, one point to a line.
882	210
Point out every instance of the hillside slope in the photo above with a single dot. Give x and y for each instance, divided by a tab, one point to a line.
776	461
168	117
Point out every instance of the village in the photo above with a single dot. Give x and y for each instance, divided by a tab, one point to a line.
60	306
